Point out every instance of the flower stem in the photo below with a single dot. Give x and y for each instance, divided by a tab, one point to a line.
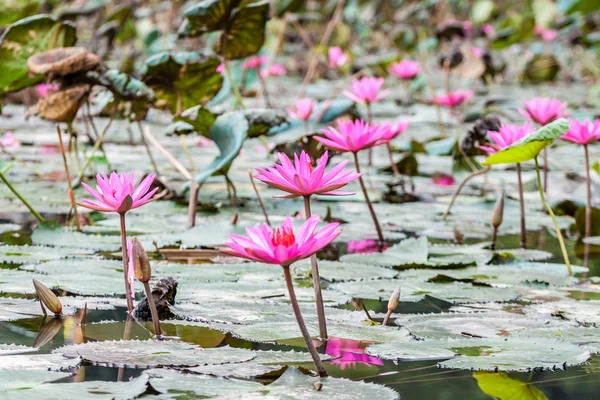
125	263
558	233
145	142
12	189
236	90
187	152
460	187
193	203
392	163
371	210
588	197
265	93
545	187
369	121
522	206
260	202
307	339
153	311
316	281
71	196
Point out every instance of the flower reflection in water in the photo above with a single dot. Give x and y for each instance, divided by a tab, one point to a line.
364	246
350	352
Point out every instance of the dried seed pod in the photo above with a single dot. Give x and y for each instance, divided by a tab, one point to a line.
141	265
394	299
47	297
498	212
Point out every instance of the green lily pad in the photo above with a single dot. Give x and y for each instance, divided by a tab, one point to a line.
531	145
25	38
123	86
514	354
52	234
151	353
102	390
415	350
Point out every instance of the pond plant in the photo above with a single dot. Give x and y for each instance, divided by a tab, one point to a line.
284	246
456	265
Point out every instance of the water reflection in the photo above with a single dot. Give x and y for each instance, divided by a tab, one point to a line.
349	352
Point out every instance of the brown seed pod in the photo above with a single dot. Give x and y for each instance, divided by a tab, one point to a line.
47	297
61	106
141	265
62	61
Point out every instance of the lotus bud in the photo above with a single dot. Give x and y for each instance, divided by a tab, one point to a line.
392	304
141	265
498	212
394	300
497	218
47	297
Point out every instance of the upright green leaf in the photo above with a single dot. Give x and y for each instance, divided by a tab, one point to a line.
23	39
182	79
245	32
199	119
530	146
229	133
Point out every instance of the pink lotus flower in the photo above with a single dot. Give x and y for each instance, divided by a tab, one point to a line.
453	99
546	34
273	70
303	109
201	141
349	352
583	132
44	89
367	90
506	136
405	69
253	62
477	51
9	140
112	192
393	130
353	136
337	58
221	68
300	179
543	110
443	180
130	270
489	30
282	246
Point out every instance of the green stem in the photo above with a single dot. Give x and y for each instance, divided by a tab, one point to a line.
95	148
12	189
234	87
558	233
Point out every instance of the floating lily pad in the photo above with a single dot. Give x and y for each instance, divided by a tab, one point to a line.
482	324
415	350
582	312
500	385
51	234
148	354
514	354
28	254
96	389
